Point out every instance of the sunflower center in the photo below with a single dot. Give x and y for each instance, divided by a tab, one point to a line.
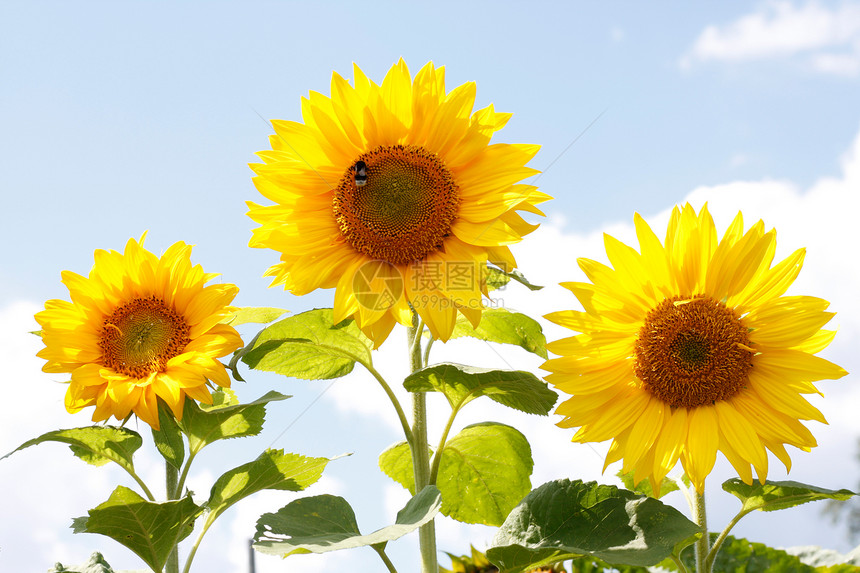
690	350
405	208
140	336
693	352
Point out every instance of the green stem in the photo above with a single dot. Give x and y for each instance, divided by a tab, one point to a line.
722	537
437	455
193	551
394	401
678	563
420	457
426	359
385	559
142	485
413	335
172	480
181	484
701	519
421	470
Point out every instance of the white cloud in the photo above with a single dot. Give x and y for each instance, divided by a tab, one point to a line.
838	64
827	40
394	498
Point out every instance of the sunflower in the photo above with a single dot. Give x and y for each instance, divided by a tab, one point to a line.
139	328
393	195
691	347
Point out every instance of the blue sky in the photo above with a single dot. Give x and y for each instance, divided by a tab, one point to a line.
116	118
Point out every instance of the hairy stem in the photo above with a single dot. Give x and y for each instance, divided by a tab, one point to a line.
142	485
722	537
193	551
437	455
703	565
426	359
420	457
678	563
171	482
181	484
388	564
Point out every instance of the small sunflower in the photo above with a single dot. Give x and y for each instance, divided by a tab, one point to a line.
691	347
139	328
393	195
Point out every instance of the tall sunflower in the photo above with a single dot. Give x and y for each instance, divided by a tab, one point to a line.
139	328
393	195
691	347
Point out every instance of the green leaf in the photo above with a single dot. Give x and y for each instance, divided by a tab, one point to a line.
149	529
496	278
838	568
273	469
95	445
233	365
309	346
594	565
565	519
204	425
327	523
741	556
484	472
396	463
168	440
246	315
506	327
222	398
516	275
79	524
774	495
95	564
461	384
258	315
644	487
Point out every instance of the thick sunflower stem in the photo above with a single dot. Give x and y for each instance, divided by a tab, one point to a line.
420	455
701	519
421	465
172	482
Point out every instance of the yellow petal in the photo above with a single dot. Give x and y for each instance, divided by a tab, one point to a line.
702	441
646	430
742	436
668	448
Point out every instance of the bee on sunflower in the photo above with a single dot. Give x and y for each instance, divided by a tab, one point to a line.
393	195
